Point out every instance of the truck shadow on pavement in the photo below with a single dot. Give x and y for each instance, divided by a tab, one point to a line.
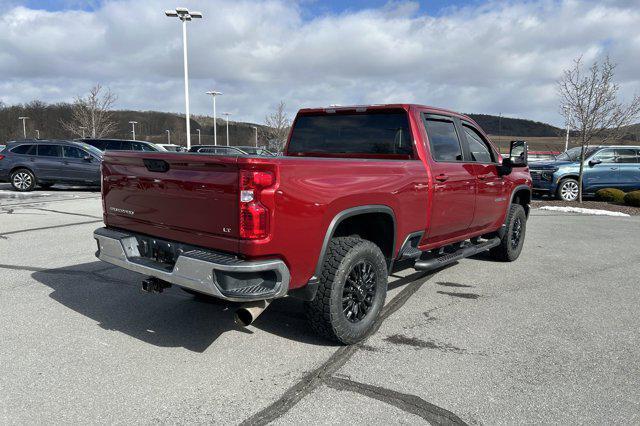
112	297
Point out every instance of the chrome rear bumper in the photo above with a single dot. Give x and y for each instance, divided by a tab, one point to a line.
210	272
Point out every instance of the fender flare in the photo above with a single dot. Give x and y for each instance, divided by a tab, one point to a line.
308	292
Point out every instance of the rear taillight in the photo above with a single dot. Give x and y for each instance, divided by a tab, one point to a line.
254	216
1	157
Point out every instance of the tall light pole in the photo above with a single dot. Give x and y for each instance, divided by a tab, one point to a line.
184	15
83	129
256	129
227	114
133	128
24	125
566	139
213	94
168	136
199	140
37	134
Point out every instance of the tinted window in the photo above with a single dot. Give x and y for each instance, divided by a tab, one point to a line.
443	140
73	152
372	133
98	144
115	145
606	156
626	156
25	149
479	148
48	151
140	146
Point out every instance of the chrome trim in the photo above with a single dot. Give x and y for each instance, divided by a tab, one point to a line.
117	248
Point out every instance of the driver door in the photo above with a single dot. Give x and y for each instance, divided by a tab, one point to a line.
601	171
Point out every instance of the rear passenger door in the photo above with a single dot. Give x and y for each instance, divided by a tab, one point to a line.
491	199
628	160
454	181
48	162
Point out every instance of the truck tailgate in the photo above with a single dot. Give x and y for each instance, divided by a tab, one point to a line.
191	198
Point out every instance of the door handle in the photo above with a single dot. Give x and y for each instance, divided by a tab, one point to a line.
442	178
613	168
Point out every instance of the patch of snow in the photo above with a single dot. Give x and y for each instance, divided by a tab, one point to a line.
581	210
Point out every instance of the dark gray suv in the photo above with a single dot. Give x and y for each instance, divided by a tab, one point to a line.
30	163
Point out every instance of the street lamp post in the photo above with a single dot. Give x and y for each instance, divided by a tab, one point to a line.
199	140
24	125
37	134
168	136
184	15
227	114
83	129
213	94
133	128
256	130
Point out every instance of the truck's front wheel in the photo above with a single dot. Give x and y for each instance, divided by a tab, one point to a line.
352	290
512	239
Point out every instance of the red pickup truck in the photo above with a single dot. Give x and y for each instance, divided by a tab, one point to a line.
358	192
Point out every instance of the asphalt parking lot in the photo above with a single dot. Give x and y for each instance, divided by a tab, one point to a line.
551	338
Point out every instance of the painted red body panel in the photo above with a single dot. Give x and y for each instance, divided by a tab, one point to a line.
196	201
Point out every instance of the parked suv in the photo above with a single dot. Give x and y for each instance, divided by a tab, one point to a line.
121	145
47	162
604	167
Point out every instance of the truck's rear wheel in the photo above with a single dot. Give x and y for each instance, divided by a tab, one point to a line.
352	290
513	239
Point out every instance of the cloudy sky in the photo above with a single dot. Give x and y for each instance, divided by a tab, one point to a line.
468	55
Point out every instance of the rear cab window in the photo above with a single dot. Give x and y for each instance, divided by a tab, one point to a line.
368	134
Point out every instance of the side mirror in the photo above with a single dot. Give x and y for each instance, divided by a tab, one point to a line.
87	158
594	162
518	154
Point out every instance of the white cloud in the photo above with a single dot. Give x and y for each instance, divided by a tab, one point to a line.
498	57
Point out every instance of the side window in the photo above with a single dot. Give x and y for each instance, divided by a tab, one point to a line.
606	156
48	151
101	145
148	148
25	150
136	146
479	148
443	140
626	155
114	145
73	152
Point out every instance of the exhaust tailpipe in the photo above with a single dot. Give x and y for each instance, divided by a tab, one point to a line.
249	312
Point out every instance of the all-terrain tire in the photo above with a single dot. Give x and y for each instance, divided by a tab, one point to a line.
512	240
326	312
23	180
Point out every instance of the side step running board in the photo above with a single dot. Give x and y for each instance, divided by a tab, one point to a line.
440	261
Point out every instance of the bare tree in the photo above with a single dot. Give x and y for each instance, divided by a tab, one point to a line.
589	103
93	113
278	126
